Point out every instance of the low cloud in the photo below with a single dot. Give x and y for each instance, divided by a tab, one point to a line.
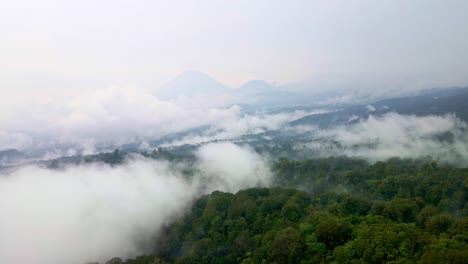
370	108
243	124
108	118
241	167
443	138
95	212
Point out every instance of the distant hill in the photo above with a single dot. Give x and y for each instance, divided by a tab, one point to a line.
347	211
260	93
9	156
257	93
435	102
255	87
191	83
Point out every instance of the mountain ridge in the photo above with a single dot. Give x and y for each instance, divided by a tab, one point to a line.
191	83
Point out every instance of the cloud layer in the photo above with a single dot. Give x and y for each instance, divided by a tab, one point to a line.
80	124
109	116
443	138
95	212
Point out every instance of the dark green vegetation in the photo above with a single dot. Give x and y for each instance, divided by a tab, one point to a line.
118	157
345	212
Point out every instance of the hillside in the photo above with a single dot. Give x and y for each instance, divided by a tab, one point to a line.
8	156
347	212
436	102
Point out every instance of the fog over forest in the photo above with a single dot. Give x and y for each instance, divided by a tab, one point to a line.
93	212
126	124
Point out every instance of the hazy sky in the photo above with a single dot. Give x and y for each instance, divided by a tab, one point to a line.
86	44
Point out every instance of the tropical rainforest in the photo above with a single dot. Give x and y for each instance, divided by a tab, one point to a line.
328	210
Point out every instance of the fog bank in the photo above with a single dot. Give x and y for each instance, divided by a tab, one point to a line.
95	212
443	138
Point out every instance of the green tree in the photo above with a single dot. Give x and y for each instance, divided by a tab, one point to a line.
287	246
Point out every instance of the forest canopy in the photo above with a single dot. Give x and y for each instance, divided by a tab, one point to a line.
334	210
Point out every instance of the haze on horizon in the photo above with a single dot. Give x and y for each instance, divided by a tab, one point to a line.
72	69
71	46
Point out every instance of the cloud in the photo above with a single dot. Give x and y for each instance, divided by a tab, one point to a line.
95	212
370	108
444	138
240	167
108	118
243	124
111	116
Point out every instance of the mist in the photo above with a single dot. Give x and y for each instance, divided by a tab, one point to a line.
74	125
77	122
96	212
242	167
209	85
377	138
242	124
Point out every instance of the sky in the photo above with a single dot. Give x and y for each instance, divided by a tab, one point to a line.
70	46
70	70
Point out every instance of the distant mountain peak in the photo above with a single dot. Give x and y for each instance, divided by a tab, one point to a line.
256	86
256	83
191	83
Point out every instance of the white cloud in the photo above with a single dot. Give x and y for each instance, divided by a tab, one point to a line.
95	212
228	167
110	116
394	135
243	124
370	108
82	123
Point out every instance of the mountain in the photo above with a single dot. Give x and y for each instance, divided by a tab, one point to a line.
256	87
189	84
258	93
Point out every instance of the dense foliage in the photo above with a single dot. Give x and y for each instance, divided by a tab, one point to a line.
346	212
117	157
